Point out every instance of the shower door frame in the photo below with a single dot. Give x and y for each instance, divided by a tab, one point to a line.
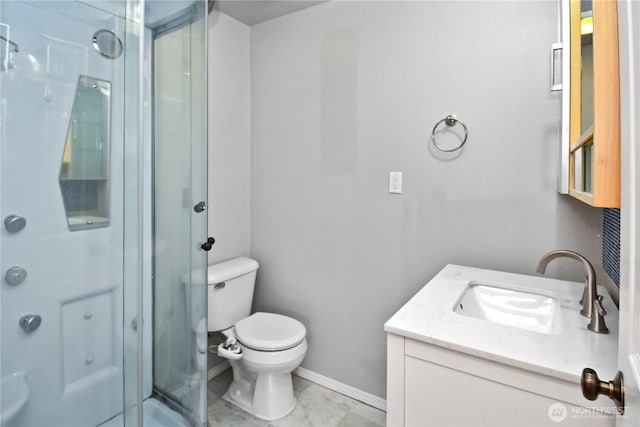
193	142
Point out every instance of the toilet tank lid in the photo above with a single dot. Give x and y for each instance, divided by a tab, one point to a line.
230	269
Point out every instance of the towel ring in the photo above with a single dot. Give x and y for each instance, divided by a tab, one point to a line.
450	121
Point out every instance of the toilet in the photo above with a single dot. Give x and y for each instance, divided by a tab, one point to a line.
262	348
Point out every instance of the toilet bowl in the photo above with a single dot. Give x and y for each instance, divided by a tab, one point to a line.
272	346
263	348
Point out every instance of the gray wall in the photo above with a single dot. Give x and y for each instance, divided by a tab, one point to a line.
229	137
345	92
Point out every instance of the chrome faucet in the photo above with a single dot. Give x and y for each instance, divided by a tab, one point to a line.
591	301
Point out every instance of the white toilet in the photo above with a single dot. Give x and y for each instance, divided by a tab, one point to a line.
262	348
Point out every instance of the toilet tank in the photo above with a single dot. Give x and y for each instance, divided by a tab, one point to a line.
230	292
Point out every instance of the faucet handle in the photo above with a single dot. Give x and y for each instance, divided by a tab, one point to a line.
597	324
598	305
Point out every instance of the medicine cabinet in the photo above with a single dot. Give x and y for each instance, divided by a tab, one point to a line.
594	123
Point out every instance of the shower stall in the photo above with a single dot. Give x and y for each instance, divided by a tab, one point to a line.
103	184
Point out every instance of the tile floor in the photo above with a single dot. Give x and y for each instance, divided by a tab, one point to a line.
317	407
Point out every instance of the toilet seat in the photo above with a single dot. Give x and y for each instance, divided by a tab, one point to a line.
258	360
270	332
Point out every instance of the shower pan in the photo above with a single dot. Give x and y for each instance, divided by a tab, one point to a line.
102	161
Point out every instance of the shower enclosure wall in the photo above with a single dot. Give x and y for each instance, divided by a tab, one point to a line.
102	185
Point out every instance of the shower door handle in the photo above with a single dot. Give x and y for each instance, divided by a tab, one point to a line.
208	244
200	207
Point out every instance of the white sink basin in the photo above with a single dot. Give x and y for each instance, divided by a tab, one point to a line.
517	308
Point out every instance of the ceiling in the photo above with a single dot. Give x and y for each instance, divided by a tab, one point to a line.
251	12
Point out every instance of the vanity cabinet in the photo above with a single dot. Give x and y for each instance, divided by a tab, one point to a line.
594	128
450	364
428	385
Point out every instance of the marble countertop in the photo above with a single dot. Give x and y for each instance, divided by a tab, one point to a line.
429	317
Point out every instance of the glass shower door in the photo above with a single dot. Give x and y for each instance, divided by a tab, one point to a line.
180	219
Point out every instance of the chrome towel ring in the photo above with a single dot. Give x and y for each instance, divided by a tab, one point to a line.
450	121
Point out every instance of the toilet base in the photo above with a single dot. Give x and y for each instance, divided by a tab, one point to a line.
270	400
265	390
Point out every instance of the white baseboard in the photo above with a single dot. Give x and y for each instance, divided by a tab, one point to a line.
347	390
217	370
